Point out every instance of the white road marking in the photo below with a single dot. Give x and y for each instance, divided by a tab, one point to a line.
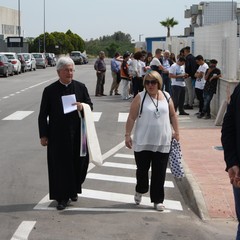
114	178
125	166
113	197
43	204
126	198
119	155
120	165
183	118
122	117
18	115
110	196
96	116
23	90
113	150
138	209
23	230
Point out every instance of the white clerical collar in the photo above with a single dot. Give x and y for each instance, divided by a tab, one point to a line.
64	83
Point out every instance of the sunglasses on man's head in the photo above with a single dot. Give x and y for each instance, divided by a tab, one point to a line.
152	82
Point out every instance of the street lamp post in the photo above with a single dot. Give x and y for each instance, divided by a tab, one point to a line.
44	37
19	24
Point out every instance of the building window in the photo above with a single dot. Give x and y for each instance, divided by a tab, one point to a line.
7	29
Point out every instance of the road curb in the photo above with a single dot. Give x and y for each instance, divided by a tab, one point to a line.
192	193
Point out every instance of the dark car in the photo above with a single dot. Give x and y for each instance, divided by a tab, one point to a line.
23	62
51	59
6	67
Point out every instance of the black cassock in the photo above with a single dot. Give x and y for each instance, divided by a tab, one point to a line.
66	169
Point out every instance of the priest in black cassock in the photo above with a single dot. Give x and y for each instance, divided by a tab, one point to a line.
60	132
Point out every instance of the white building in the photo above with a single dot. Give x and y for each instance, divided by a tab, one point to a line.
208	13
9	22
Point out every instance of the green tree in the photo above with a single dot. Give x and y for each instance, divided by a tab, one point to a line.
57	42
169	23
118	42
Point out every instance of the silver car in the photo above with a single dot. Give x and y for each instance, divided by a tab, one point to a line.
14	60
30	61
41	60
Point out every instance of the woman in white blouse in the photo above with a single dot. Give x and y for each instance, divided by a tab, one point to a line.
154	113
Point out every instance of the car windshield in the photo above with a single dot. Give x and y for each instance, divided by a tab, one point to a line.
9	56
75	54
38	55
26	56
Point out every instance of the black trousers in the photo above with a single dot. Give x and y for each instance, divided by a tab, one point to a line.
178	96
159	162
199	94
137	83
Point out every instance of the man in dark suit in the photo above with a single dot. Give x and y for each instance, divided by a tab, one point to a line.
60	132
231	145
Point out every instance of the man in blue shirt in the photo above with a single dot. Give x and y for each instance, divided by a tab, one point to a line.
115	68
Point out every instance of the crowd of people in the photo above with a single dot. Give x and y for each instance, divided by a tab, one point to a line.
189	80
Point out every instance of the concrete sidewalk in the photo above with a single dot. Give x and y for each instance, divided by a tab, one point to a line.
206	185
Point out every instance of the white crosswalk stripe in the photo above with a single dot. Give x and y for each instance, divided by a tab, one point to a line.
118	161
124	166
87	193
97	116
126	198
19	115
122	117
114	178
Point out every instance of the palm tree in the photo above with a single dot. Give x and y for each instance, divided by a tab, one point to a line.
169	23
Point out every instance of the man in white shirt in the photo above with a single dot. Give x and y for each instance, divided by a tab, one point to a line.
155	64
200	82
178	75
166	63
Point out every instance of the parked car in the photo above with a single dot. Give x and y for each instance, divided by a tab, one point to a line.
85	58
6	67
41	60
76	56
30	60
23	62
51	59
54	57
14	60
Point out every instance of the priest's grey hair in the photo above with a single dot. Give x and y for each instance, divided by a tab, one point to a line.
63	61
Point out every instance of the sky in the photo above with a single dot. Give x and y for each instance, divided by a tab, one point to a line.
96	18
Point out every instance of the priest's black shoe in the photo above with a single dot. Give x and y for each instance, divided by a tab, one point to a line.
183	113
75	198
62	204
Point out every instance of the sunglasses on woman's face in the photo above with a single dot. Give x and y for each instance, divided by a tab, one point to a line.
152	82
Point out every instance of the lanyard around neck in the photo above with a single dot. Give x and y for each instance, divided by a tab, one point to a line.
156	105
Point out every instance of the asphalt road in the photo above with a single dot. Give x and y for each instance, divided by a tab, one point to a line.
106	209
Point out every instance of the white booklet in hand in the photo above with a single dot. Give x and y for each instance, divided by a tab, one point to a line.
67	101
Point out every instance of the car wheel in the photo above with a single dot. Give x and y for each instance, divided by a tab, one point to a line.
6	73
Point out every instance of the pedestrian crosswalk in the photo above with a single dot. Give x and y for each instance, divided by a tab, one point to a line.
102	185
121	117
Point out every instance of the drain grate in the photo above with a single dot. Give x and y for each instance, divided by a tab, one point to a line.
219	148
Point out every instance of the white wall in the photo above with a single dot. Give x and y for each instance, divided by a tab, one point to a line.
219	42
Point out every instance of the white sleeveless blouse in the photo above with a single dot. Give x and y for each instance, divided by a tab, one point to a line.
152	133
